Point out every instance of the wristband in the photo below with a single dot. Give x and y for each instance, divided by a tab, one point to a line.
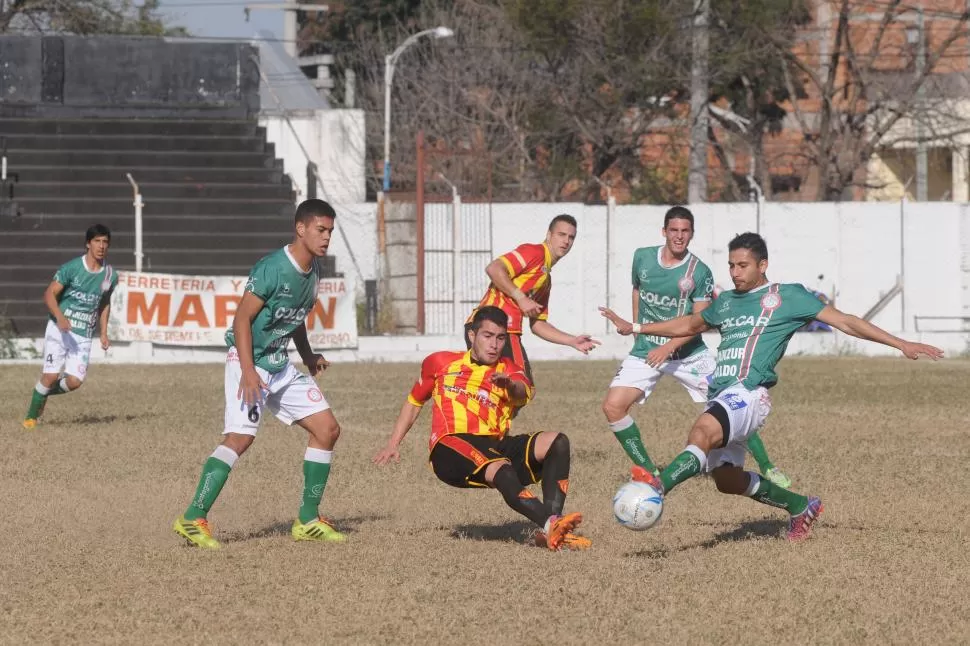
637	328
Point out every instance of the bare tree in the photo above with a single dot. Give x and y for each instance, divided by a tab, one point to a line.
555	93
867	86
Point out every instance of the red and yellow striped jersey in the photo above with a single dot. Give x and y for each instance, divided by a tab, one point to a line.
465	400
528	266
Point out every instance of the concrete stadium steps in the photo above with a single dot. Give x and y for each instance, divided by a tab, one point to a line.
148	174
69	228
20	142
132	127
102	157
155	244
216	199
153	190
276	207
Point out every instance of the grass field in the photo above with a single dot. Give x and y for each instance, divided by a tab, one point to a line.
88	501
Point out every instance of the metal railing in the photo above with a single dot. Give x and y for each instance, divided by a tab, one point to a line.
138	204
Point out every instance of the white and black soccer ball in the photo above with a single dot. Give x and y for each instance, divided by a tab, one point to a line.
637	506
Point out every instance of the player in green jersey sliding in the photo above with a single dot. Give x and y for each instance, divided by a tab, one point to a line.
279	295
757	320
668	281
79	299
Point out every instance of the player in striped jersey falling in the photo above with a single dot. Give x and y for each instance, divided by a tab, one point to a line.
474	393
668	281
757	320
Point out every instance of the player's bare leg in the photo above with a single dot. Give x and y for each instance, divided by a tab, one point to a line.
803	510
323	431
501	476
707	435
616	407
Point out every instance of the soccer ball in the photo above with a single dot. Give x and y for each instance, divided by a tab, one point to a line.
637	506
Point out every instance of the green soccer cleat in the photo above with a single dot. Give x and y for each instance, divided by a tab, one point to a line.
196	532
776	477
319	529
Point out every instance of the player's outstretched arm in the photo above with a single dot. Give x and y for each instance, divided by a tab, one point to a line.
51	294
405	420
689	325
855	326
314	362
547	331
660	354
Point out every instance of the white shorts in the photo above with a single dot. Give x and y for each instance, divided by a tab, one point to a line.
747	412
292	396
693	373
65	351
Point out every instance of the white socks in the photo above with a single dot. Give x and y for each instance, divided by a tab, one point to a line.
320	456
225	454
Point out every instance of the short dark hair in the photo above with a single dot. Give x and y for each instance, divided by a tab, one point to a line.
752	242
563	217
679	213
314	208
490	313
96	230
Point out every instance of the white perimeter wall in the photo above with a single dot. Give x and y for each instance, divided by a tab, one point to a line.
334	141
858	249
853	252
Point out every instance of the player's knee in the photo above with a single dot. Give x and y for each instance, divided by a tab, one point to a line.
73	383
706	435
333	431
611	410
238	442
559	446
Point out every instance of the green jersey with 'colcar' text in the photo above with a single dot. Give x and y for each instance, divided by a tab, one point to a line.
666	293
756	327
288	296
84	291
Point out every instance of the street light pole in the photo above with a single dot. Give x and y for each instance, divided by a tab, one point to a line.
389	62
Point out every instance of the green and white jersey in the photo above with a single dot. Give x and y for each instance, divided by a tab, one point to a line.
756	327
666	293
84	290
288	295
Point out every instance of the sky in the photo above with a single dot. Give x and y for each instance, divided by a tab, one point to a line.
223	18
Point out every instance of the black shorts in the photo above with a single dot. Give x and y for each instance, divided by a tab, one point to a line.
460	460
513	350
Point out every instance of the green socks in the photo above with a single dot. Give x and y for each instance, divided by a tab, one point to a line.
215	472
771	494
628	435
37	400
685	466
316	470
757	449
